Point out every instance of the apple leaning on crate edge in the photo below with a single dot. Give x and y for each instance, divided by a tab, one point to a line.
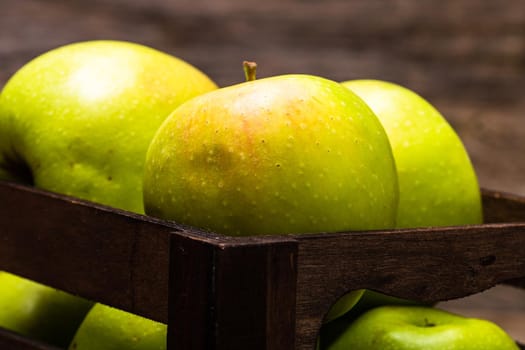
78	120
281	155
418	328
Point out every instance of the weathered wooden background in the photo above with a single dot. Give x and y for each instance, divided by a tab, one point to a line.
467	57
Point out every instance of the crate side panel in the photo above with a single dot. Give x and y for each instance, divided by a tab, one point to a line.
422	264
99	253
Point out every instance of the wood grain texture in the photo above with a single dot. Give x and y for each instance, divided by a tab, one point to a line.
424	264
225	292
121	260
503	207
232	293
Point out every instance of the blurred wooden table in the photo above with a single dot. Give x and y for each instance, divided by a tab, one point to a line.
467	58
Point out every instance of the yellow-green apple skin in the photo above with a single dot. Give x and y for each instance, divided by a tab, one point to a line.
285	154
437	182
420	328
438	185
371	299
38	311
344	304
78	119
107	328
288	154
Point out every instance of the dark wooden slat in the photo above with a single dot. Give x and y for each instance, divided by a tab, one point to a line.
430	264
264	273
110	256
258	289
246	300
13	341
190	313
424	264
503	207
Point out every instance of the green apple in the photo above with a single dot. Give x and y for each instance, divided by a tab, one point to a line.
285	154
344	304
419	328
371	299
38	311
352	305
107	328
288	154
78	119
437	182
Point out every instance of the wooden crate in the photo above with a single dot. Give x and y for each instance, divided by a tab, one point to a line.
228	293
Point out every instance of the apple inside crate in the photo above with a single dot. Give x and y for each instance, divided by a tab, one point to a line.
259	292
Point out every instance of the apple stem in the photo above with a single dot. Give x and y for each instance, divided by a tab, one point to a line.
250	70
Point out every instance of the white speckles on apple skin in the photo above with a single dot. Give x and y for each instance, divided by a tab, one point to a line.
285	168
99	109
431	160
